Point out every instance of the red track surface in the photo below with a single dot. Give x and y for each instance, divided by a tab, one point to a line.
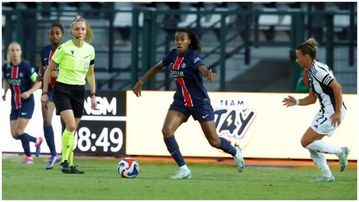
249	161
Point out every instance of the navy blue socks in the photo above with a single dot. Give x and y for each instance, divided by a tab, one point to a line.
25	143
227	147
173	148
49	136
31	138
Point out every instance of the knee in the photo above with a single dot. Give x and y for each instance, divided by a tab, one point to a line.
17	133
71	127
167	132
16	137
304	142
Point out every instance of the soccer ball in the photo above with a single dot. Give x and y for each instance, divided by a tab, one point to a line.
128	168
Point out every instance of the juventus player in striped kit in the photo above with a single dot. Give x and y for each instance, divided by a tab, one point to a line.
191	98
332	111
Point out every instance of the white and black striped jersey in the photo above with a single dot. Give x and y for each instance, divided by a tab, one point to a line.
320	77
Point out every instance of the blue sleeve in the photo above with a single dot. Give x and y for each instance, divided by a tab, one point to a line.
27	68
167	59
3	71
197	61
42	57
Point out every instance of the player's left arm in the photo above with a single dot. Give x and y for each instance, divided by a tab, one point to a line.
208	73
338	97
92	85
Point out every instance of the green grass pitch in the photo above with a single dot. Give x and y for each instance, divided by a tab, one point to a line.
214	181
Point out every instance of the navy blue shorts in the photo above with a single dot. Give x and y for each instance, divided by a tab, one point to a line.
201	113
26	110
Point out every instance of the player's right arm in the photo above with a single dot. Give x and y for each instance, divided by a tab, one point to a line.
42	68
148	75
6	88
41	72
291	101
47	76
310	99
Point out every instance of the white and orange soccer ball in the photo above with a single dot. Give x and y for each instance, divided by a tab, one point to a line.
128	168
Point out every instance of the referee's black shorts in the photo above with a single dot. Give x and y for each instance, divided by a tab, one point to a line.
69	97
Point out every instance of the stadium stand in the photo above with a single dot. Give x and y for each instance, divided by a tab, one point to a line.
273	31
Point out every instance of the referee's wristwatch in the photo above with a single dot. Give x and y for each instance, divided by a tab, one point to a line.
92	94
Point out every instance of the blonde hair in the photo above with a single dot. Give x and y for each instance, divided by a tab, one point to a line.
310	47
89	32
8	52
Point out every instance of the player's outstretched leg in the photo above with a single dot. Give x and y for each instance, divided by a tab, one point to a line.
321	162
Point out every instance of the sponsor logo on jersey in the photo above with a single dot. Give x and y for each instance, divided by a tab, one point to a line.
177	74
196	60
14	82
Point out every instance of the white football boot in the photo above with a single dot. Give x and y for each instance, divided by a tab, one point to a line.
238	158
343	159
324	179
182	174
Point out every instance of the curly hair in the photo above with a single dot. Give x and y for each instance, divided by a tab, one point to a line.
195	41
59	25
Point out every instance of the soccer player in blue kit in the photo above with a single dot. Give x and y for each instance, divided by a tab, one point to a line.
56	34
22	79
191	98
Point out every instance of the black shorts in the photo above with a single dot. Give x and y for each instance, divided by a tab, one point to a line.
69	97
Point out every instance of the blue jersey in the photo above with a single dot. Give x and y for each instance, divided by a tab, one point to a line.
46	55
189	84
20	78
